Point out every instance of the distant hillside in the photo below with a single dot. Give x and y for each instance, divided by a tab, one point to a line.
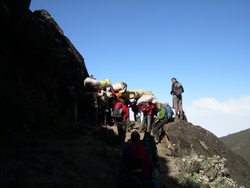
240	143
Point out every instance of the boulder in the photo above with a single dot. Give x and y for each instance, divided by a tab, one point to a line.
187	139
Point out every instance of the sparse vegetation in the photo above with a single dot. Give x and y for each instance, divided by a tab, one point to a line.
201	171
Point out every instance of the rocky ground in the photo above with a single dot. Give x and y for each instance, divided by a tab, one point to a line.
80	156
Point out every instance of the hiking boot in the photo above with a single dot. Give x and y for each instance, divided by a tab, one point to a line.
181	116
176	117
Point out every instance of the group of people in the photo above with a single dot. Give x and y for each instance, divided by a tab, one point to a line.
99	105
138	164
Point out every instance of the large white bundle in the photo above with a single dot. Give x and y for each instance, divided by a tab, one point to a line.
92	83
145	98
119	86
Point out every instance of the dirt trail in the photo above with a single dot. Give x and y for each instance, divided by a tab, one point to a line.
167	166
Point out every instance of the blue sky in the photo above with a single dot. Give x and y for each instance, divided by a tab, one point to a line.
204	44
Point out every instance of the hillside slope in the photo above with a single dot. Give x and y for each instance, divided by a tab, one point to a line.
240	143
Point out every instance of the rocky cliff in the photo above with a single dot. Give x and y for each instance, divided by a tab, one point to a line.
38	62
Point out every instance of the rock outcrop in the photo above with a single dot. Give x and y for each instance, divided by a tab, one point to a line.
186	139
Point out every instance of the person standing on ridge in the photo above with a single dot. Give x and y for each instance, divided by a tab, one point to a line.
176	91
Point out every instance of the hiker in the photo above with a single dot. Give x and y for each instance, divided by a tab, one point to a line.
161	119
146	109
103	106
134	173
112	99
135	110
93	115
120	119
135	149
136	177
149	142
176	91
154	113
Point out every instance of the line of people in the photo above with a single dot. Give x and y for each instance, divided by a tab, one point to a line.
96	107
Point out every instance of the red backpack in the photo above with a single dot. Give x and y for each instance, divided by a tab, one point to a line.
117	112
143	155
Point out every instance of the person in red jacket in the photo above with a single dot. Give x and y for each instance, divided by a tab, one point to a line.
135	149
147	110
121	122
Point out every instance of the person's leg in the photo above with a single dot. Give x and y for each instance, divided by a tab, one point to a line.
157	128
142	123
135	116
149	119
180	108
121	128
154	127
175	99
141	115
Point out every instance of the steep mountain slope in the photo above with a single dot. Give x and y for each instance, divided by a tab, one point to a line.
240	143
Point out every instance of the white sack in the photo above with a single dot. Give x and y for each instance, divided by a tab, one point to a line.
119	86
92	83
145	98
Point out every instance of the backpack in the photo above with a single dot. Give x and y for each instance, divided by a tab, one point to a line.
117	112
144	106
178	88
142	154
169	111
147	183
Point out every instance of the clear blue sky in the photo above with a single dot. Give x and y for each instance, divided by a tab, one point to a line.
204	44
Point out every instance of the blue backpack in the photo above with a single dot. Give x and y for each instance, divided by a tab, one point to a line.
170	112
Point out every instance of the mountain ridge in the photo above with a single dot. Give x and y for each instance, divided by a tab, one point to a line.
239	142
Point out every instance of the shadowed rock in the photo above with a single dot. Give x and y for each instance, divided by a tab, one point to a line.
188	139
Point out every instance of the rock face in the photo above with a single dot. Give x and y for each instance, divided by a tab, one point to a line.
37	64
188	139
